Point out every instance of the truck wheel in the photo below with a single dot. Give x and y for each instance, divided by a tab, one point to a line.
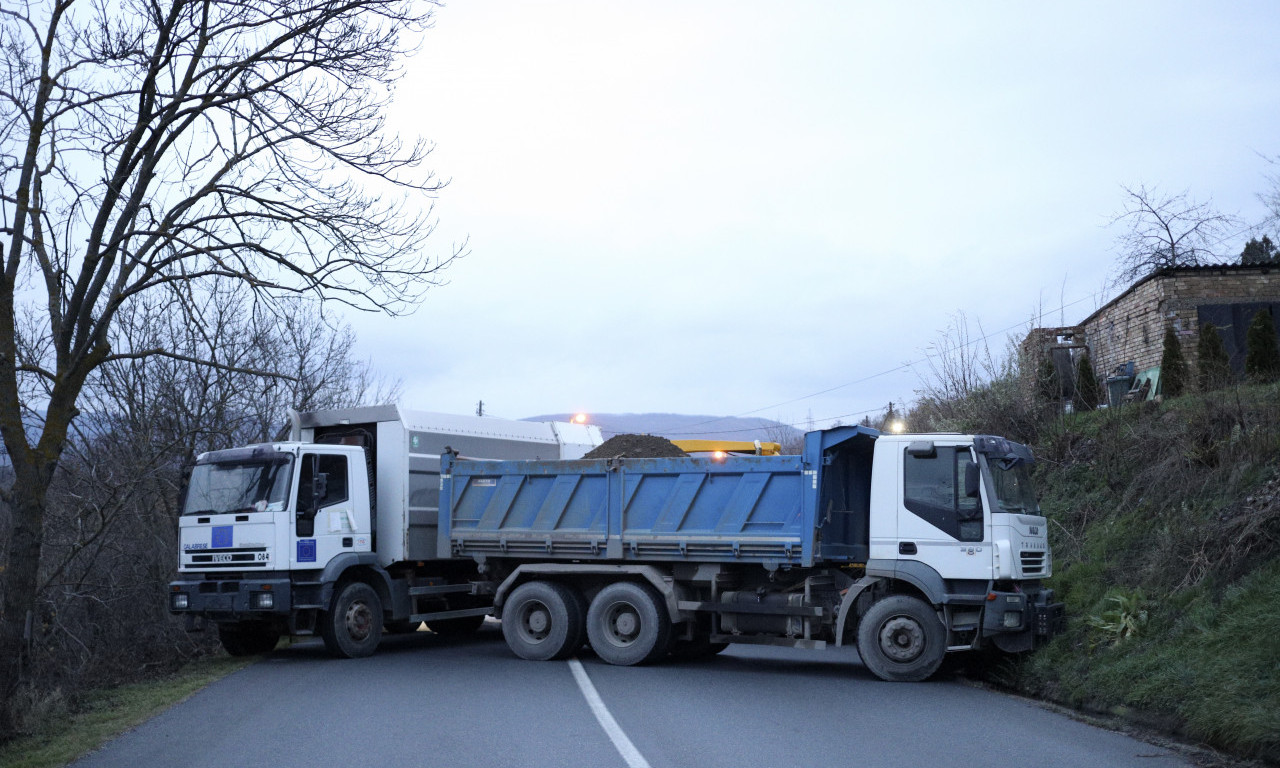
353	627
248	638
464	625
628	624
900	639
542	621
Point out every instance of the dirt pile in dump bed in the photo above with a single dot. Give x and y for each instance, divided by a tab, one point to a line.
635	447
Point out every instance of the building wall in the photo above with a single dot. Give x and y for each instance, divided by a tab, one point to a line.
1127	329
1058	344
1131	328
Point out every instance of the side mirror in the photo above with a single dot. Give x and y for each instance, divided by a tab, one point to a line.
972	481
922	449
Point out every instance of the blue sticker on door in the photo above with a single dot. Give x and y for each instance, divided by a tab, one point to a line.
306	550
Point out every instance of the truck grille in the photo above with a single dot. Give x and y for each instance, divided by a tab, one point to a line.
1033	562
247	557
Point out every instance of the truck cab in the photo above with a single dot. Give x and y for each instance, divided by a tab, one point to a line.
962	503
274	506
957	516
264	530
333	532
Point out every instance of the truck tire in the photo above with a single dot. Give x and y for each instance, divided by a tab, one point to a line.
352	628
248	638
542	621
628	624
464	625
901	639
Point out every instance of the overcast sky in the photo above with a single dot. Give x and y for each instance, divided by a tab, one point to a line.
724	208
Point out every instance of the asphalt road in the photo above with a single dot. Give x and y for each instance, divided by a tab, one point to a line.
429	701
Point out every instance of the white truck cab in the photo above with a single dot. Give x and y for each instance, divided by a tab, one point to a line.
275	506
957	516
333	532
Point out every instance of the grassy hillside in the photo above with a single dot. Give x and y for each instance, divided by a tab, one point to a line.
1165	523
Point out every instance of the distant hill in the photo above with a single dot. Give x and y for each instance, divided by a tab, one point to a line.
676	426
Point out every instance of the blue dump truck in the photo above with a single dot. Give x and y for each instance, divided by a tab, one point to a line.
909	546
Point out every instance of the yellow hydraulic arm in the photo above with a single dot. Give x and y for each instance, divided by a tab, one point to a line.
729	446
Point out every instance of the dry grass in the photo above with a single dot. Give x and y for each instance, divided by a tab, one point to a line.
60	735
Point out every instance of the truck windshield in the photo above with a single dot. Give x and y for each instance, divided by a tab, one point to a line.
250	486
1014	491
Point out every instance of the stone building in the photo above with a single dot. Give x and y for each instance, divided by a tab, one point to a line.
1125	336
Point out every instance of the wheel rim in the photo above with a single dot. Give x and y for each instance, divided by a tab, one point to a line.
902	639
359	620
622	624
534	621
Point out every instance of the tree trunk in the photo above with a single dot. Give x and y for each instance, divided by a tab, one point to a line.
20	577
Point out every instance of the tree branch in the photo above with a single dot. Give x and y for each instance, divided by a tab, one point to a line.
157	352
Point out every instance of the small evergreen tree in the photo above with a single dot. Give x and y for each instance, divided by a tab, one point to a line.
1173	366
1213	371
1047	384
1262	355
1088	393
1259	252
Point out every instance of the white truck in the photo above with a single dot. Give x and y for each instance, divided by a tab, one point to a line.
334	532
909	546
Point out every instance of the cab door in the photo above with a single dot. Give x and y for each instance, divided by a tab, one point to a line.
939	522
325	519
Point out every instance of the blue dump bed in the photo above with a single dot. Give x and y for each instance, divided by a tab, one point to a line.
754	509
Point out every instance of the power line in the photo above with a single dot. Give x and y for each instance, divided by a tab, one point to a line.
864	379
796	425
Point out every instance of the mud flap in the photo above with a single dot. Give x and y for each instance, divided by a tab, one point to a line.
1014	643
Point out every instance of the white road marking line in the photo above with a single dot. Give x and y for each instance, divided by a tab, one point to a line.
611	728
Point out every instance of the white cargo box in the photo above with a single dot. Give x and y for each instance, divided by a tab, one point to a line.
405	448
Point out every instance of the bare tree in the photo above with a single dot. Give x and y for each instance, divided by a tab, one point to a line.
959	362
1271	199
150	150
110	533
968	387
1168	231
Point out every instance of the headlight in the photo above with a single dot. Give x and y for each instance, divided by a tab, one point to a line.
262	600
1012	619
178	601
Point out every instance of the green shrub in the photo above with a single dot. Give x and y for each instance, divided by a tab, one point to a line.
1121	617
1173	367
1088	393
1262	353
1213	369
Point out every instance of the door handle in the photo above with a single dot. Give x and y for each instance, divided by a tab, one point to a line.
906	547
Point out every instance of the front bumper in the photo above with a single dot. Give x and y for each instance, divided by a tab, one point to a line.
1049	619
1017	621
1016	612
231	599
